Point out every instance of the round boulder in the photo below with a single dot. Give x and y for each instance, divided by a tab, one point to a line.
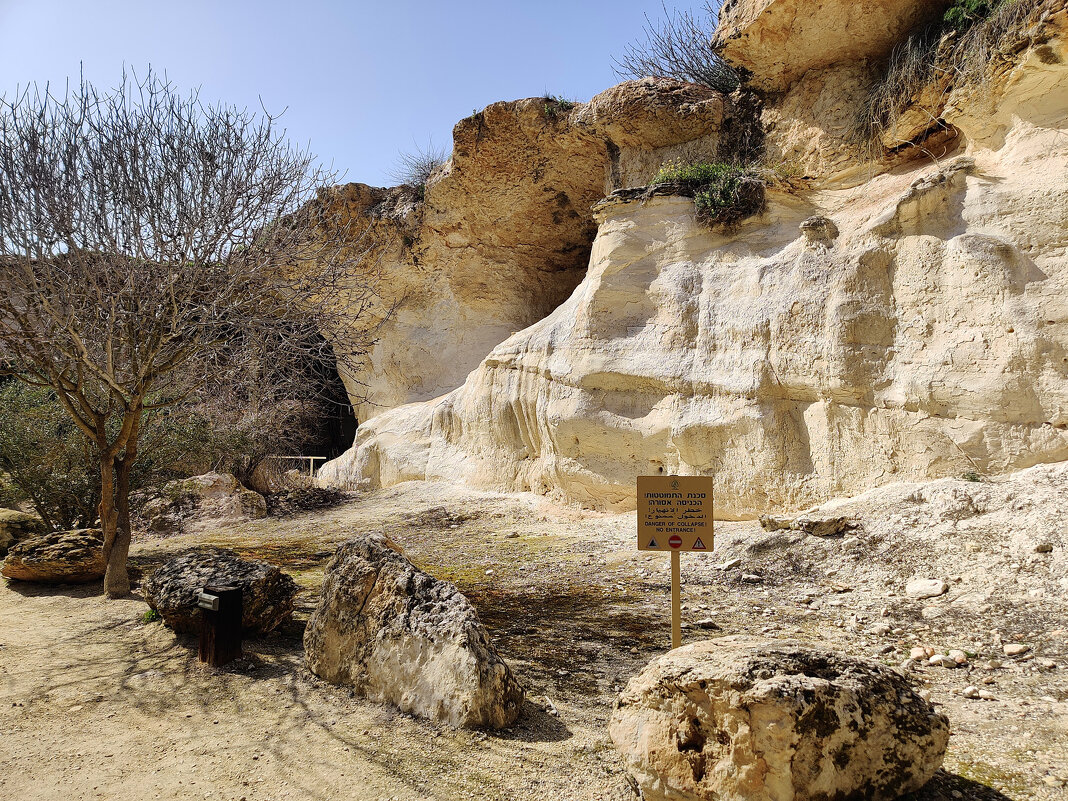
402	637
266	592
760	720
57	557
16	526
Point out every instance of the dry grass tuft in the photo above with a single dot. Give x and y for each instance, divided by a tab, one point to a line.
939	60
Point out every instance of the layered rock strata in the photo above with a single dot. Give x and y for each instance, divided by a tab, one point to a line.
57	557
501	233
267	594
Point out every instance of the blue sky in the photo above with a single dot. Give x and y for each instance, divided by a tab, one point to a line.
361	80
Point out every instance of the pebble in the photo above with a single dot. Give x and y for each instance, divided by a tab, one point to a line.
986	695
942	660
1015	648
971	691
958	656
929	612
919	652
752	578
926	588
707	623
881	629
1044	547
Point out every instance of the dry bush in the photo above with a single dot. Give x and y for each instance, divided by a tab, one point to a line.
679	46
414	167
958	52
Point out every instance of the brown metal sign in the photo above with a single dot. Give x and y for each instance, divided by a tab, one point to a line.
675	513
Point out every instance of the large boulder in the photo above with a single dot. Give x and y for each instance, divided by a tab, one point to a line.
16	526
400	636
212	495
740	718
57	557
266	598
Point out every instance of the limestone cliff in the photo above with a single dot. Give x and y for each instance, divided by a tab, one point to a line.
503	232
910	322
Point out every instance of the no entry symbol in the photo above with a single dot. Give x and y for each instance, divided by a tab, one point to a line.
675	541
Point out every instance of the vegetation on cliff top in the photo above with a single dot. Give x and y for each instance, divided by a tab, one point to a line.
957	51
679	46
723	194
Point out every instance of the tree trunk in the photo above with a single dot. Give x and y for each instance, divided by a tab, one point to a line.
116	581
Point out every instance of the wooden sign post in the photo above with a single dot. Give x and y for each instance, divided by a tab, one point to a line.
675	514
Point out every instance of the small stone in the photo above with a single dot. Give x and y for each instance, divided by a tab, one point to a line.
986	695
992	664
1044	547
707	623
918	652
958	656
971	691
942	660
752	578
926	588
1046	664
881	629
1015	648
931	612
512	535
730	564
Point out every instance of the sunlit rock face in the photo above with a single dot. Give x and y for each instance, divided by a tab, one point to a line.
911	326
503	233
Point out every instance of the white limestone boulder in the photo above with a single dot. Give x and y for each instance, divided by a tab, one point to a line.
742	719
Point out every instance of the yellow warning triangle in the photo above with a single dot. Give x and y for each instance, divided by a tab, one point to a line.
698	545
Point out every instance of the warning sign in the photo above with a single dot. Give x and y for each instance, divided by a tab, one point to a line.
675	513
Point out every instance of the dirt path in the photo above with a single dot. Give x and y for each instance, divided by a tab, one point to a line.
96	703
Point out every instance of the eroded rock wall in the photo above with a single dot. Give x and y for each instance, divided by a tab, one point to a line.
922	333
503	232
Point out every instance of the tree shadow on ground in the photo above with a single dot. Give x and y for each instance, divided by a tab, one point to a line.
36	589
946	786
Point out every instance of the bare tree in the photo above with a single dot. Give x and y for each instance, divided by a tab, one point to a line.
155	249
679	46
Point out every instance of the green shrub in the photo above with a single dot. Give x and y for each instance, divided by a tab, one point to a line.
151	616
965	13
723	193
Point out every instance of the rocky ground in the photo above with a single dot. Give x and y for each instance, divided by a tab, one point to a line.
94	700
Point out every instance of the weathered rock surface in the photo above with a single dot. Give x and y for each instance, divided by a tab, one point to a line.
503	234
266	598
57	557
927	339
400	636
777	41
738	719
212	495
16	526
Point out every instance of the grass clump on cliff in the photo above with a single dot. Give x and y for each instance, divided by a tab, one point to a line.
957	51
414	167
724	194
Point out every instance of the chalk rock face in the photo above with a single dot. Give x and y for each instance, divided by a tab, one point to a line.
736	719
212	495
503	232
776	41
16	526
266	598
57	557
401	637
927	339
